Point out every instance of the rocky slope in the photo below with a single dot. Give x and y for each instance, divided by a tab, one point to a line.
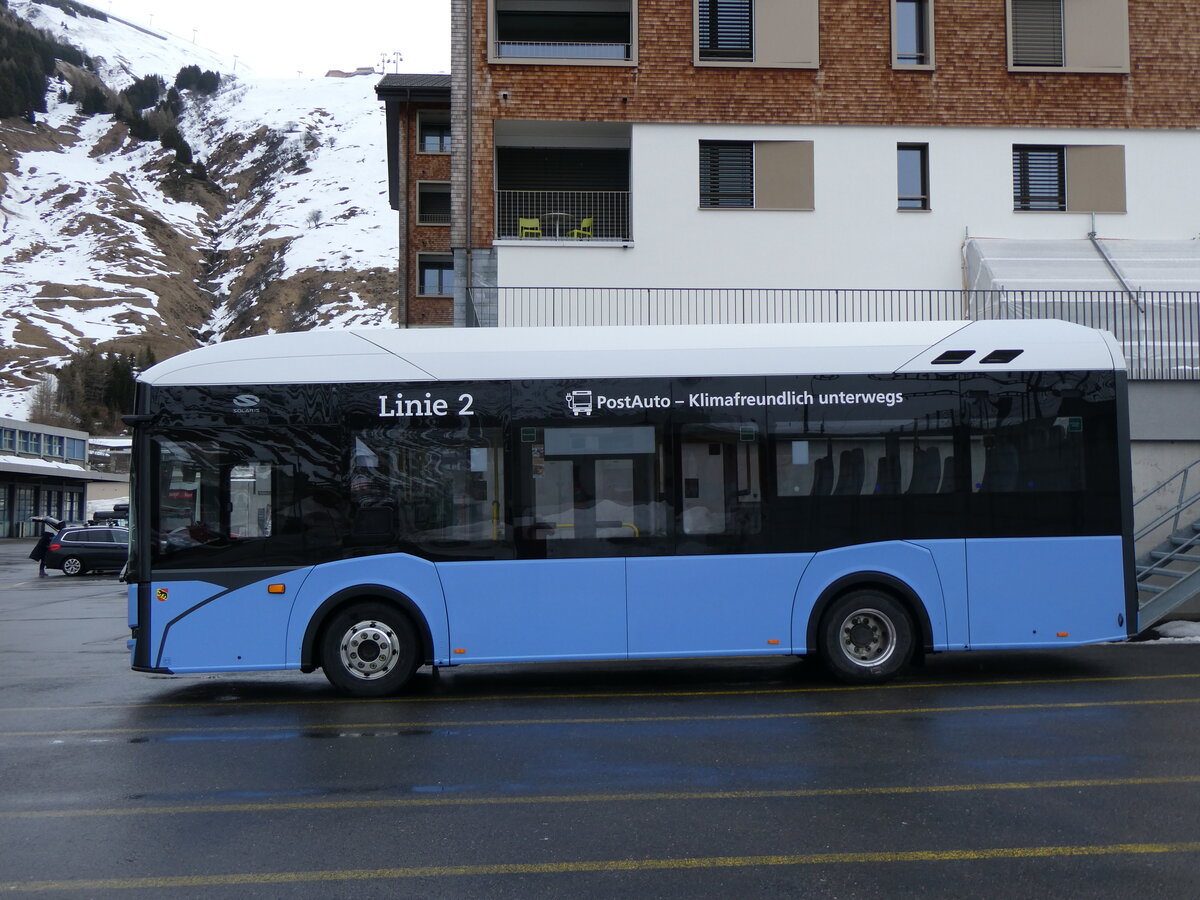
109	241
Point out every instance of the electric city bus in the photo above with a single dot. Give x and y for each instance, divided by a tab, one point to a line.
367	502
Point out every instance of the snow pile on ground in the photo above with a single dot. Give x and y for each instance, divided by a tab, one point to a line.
1180	632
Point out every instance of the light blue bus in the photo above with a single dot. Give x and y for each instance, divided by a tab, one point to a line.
368	502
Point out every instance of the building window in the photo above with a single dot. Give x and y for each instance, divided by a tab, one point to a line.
1078	178
433	203
8	439
1068	35
762	33
592	32
1037	33
433	132
756	174
726	174
31	442
1039	180
435	275
726	29
54	445
912	176
912	33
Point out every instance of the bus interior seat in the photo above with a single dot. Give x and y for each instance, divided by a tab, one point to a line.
887	480
1039	467
927	470
1000	467
947	485
852	469
822	484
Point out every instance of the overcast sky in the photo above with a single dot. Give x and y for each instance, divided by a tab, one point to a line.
278	39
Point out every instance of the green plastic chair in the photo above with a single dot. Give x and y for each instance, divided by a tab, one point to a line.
529	228
584	230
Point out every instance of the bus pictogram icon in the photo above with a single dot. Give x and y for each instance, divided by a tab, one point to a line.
580	402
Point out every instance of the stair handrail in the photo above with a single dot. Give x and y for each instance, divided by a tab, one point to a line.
1182	504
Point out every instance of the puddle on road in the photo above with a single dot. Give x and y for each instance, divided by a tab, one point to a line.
283	736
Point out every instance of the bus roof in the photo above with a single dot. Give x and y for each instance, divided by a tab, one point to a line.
486	354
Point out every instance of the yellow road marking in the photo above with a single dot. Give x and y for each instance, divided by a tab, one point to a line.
609	865
556	799
626	695
605	720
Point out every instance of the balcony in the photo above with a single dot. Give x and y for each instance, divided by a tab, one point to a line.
562	216
563	30
562	181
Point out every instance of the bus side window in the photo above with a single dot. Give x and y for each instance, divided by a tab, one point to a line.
585	482
722	488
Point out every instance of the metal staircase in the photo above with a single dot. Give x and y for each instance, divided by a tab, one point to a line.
1169	575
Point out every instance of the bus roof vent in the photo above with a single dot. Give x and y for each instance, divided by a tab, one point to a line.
1001	356
953	357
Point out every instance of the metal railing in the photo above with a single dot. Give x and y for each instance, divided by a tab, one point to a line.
1179	499
561	50
563	215
1160	333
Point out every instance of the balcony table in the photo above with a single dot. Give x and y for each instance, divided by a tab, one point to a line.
557	222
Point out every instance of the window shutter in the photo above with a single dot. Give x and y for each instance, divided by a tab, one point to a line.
726	174
1038	181
726	29
1037	32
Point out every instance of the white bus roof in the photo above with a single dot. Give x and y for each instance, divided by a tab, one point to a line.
484	354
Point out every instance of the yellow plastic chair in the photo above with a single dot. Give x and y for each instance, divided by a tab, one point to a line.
529	228
584	230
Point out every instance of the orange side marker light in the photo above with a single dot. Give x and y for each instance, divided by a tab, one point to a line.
276	589
460	650
1064	634
773	641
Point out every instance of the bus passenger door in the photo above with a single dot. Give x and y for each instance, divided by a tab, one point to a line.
584	497
714	595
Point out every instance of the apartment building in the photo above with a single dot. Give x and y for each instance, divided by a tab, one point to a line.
899	145
633	161
418	145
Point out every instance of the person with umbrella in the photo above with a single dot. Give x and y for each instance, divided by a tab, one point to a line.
39	550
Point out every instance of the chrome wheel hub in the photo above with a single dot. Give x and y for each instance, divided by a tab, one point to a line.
369	650
867	637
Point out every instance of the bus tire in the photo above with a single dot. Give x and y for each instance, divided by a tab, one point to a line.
370	649
866	636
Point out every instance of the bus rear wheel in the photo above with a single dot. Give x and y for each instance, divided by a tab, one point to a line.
369	650
866	636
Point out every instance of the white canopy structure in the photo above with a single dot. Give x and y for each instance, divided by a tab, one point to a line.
1145	292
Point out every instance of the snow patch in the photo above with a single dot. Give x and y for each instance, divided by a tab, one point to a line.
79	262
1180	632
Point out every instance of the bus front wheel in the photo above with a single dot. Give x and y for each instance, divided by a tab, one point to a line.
866	636
370	650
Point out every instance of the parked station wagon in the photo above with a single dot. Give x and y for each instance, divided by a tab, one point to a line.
79	550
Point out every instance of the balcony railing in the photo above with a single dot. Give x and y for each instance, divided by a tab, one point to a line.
1159	331
561	50
563	215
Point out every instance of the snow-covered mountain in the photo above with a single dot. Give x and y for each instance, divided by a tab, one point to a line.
107	241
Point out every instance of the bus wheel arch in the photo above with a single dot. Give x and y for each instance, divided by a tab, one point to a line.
867	627
326	615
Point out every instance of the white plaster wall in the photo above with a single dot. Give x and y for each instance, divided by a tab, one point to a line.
855	237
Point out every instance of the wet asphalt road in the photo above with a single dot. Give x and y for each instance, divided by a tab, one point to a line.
1065	773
